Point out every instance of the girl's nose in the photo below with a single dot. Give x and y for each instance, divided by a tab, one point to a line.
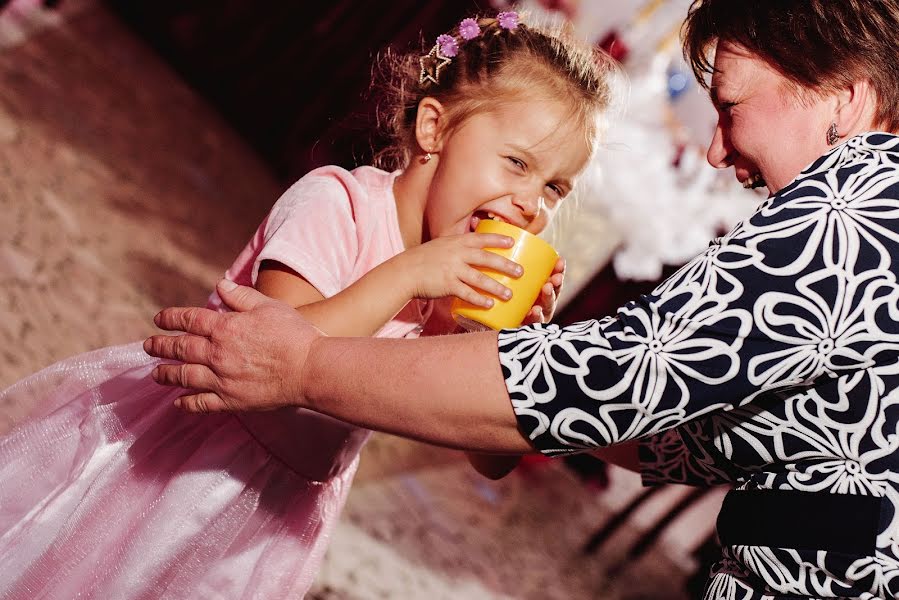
720	153
529	205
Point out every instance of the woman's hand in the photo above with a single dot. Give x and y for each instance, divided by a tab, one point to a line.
447	266
251	360
545	306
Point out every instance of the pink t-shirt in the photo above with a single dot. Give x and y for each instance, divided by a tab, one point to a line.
332	227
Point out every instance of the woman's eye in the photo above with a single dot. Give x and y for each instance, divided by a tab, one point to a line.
726	106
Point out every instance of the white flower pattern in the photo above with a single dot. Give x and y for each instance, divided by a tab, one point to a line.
771	362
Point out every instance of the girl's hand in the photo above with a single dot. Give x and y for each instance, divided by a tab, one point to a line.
447	266
545	306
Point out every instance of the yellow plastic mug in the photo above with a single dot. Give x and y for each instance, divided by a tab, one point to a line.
536	257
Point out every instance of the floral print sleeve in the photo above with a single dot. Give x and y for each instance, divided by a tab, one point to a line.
666	457
800	291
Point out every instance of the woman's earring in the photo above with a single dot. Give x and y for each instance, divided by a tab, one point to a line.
833	136
426	158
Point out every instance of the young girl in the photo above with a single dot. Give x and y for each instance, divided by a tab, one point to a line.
110	492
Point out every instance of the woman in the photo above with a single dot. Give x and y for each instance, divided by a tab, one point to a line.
769	362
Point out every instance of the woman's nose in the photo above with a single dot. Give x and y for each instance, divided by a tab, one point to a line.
720	153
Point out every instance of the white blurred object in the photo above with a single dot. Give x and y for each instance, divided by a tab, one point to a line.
649	184
658	192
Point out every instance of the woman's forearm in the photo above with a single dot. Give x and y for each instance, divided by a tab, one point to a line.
443	390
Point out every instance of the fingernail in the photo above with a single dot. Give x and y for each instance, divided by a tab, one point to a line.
155	374
489	302
177	402
227	285
507	294
156	318
519	270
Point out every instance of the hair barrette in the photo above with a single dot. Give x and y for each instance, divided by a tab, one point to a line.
447	46
469	29
431	64
508	20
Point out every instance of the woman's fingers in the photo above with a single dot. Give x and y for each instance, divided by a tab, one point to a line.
199	321
201	403
189	376
186	348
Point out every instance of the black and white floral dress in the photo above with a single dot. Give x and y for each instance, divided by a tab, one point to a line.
770	362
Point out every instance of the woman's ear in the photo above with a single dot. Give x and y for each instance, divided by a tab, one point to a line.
856	109
430	123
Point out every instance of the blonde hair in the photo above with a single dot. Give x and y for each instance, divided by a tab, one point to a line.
498	65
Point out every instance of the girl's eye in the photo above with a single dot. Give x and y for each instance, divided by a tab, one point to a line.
558	193
518	163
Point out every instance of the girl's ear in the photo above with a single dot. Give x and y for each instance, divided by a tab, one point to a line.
430	123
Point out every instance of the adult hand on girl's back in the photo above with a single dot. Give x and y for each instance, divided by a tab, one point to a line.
252	359
447	266
545	306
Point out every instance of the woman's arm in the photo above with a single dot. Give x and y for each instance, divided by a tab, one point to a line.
335	316
447	390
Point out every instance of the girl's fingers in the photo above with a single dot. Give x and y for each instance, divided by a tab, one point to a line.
464	292
559	266
489	240
535	315
478	280
500	264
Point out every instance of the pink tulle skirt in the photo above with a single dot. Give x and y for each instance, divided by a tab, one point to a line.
108	491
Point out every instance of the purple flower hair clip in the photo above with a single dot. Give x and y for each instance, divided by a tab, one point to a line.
469	29
448	45
508	20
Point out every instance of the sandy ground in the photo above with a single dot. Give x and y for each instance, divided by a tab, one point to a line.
122	192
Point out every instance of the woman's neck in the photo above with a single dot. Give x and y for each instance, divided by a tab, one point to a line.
410	189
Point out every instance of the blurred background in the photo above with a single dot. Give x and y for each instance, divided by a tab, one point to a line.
141	143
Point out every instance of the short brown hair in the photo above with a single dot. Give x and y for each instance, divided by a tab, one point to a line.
493	66
820	45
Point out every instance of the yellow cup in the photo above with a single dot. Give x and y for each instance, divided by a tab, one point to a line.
536	257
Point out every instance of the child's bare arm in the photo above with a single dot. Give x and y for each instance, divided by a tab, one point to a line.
358	311
440	268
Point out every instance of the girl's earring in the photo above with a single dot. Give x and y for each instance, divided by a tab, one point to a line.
833	136
426	158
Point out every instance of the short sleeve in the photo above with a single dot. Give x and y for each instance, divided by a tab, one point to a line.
312	230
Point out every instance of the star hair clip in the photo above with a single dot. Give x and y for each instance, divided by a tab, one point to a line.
435	61
447	46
